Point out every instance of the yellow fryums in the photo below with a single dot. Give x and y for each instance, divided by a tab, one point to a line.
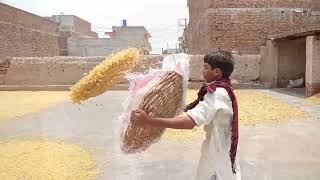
254	108
28	102
105	75
314	100
46	159
257	107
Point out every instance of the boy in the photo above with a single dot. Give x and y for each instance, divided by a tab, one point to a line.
216	108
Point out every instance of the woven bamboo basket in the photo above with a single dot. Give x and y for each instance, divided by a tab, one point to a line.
162	101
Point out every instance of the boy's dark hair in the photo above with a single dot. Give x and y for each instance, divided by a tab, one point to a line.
221	59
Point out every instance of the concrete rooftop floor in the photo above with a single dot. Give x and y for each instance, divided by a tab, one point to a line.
271	151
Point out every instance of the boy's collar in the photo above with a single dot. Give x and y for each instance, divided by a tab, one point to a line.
212	86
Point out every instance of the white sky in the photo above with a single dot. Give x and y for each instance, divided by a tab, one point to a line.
160	17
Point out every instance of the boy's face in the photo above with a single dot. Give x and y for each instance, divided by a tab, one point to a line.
211	74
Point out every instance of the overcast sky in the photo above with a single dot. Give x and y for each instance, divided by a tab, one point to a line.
159	17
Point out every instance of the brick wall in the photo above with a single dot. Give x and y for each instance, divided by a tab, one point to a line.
4	66
241	27
197	9
313	65
25	34
245	30
197	38
23	18
63	42
83	27
263	4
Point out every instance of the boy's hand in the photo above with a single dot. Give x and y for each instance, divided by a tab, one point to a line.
191	105
139	117
187	108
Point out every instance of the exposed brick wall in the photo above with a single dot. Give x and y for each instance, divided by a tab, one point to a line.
23	18
263	4
197	9
25	34
63	42
245	31
313	65
241	27
20	41
197	38
4	66
83	27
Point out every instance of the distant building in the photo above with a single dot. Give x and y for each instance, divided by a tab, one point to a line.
71	26
74	24
170	51
183	44
27	34
120	38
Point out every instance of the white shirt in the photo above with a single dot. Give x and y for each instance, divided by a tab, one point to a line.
215	112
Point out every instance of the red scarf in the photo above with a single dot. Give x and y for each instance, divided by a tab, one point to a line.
210	88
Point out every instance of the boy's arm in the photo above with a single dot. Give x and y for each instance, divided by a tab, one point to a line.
139	117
